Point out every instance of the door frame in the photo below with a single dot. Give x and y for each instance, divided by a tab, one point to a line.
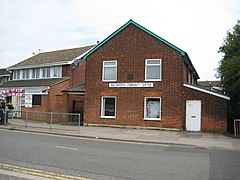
198	125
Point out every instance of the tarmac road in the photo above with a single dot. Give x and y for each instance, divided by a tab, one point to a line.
52	156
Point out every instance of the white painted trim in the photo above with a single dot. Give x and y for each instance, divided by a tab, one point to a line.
35	87
160	79
7	75
75	93
40	65
131	85
40	73
193	124
102	104
145	106
103	71
206	91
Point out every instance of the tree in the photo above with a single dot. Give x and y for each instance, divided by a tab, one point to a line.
229	68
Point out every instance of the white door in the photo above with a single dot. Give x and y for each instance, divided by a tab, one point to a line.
193	115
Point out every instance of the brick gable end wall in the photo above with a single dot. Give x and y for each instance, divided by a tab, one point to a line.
130	48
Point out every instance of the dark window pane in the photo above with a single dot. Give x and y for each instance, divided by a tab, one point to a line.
37	100
109	106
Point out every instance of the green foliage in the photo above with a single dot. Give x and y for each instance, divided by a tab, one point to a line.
229	68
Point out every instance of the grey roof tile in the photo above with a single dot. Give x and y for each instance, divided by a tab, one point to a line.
79	88
53	56
32	83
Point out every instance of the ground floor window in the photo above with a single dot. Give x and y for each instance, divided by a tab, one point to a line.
152	108
22	100
108	109
37	100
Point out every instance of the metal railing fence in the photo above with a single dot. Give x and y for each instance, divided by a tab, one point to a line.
48	120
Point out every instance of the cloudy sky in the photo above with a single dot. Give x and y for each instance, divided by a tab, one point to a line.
197	27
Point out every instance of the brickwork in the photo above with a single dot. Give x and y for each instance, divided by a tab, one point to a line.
213	110
130	48
77	74
56	103
66	71
52	102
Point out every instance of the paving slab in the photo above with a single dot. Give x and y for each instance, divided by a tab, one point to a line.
211	140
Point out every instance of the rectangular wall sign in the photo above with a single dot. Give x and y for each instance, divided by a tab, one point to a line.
130	85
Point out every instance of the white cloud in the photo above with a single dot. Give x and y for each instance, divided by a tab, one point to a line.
197	27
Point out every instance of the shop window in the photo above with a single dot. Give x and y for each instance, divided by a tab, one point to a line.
108	109
22	100
153	70
37	100
109	71
152	108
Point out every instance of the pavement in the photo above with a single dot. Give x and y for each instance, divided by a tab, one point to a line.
130	134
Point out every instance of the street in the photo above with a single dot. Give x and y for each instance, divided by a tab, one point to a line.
98	159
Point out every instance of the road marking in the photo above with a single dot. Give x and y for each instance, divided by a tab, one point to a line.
40	173
63	147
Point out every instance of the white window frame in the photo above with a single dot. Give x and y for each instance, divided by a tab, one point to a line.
45	72
106	66
16	74
39	73
148	65
102	107
28	73
25	73
34	73
145	109
22	100
58	70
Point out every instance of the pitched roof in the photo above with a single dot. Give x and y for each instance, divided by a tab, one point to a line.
4	72
183	53
60	56
205	90
32	83
75	89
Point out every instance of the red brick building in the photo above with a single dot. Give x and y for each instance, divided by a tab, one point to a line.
38	81
136	78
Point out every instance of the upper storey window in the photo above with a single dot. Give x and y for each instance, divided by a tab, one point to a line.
56	71
25	73
16	74
109	71
153	69
46	72
36	73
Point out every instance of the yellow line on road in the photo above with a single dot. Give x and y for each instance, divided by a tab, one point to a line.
40	173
